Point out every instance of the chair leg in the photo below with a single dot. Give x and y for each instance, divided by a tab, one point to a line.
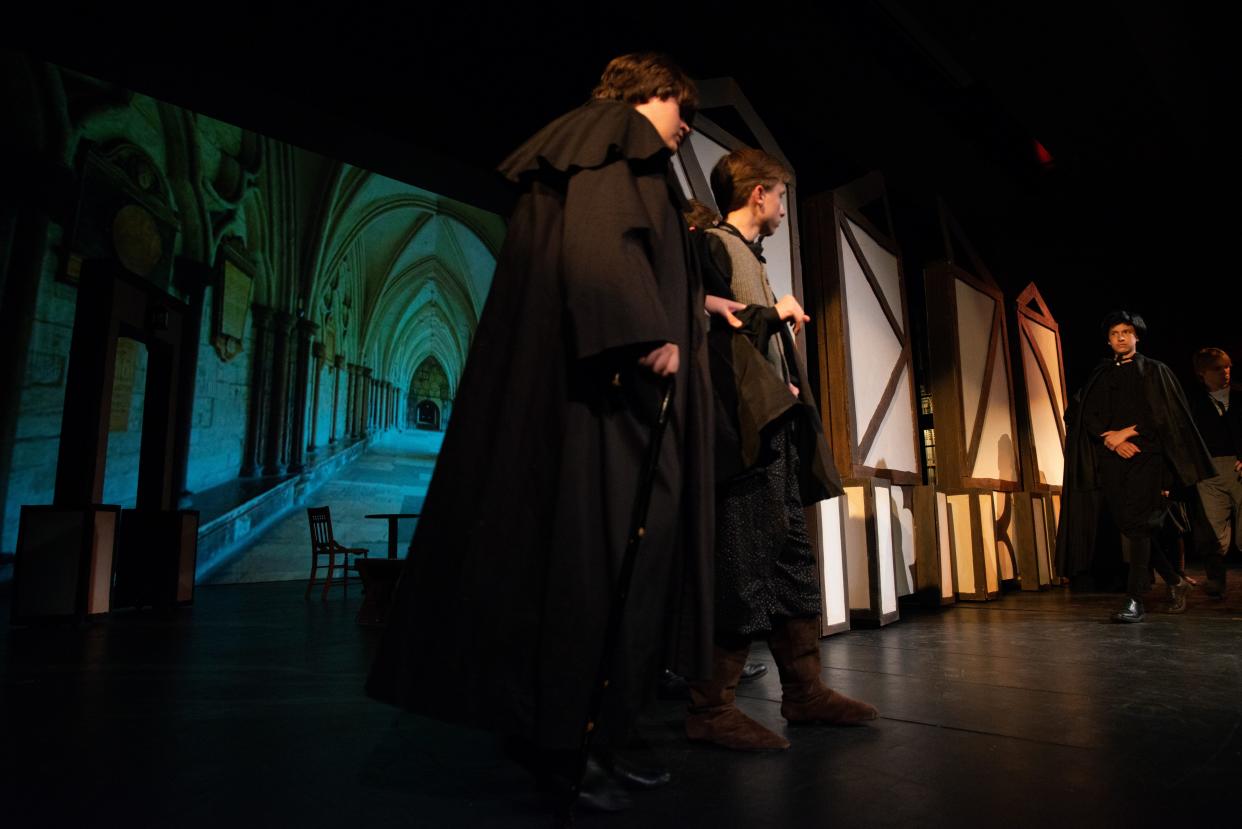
327	585
345	578
311	583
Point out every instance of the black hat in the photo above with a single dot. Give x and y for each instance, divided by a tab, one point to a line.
1120	317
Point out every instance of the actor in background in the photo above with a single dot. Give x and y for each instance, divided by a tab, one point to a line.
1130	439
1217	410
499	617
772	461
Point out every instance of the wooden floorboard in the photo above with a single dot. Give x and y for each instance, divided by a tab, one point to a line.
247	710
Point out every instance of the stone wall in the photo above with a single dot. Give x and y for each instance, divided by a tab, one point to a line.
221	398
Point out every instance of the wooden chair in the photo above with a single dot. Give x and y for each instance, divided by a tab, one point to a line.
323	544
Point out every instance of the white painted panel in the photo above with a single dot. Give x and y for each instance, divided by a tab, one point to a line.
1043	560
1049	457
856	548
884	266
998	451
903	539
884	551
1046	339
832	543
874	348
896	442
975	310
963	543
943	546
1006	545
987	521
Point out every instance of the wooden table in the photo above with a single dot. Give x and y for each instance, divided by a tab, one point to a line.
393	518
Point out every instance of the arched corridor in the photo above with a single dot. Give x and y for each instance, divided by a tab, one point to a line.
274	307
391	476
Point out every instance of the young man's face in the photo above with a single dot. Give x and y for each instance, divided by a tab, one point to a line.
771	208
1216	376
1122	339
665	115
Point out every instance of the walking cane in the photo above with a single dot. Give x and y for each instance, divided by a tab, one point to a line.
638	520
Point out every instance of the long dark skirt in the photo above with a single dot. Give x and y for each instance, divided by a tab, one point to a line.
765	567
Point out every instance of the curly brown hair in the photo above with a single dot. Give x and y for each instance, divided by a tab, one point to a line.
641	76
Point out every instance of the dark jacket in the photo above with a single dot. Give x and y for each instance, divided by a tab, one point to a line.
1179	441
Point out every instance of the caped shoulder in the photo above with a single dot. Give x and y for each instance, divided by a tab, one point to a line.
590	136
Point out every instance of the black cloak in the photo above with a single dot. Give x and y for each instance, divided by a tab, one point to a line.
511	569
1179	441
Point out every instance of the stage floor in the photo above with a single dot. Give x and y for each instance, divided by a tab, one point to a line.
247	710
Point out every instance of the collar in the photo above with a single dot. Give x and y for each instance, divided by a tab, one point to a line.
755	247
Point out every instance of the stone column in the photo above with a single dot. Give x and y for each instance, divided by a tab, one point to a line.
317	354
338	365
252	462
278	417
365	409
306	331
351	402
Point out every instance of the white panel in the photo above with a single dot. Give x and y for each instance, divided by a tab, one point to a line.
1042	560
943	547
1049	456
896	445
884	266
833	571
997	456
778	248
987	521
975	310
707	152
884	551
855	535
903	539
1004	543
1047	341
874	349
963	544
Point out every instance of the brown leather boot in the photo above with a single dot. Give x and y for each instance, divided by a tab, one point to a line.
712	716
805	698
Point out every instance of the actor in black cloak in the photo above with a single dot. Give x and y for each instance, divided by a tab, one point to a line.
772	461
512	566
1130	438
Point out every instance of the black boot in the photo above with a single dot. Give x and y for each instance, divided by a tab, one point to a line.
753	670
1131	611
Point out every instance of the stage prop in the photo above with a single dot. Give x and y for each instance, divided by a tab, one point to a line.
1041	405
861	342
157	543
976	424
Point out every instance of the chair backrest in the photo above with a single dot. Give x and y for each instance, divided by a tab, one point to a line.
320	527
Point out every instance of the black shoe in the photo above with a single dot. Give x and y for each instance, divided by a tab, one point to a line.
1131	611
753	670
672	686
638	777
1177	596
1215	588
599	791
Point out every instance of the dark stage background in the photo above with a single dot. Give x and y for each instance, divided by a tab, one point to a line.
1131	101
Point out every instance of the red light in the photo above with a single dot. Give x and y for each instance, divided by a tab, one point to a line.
1042	154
